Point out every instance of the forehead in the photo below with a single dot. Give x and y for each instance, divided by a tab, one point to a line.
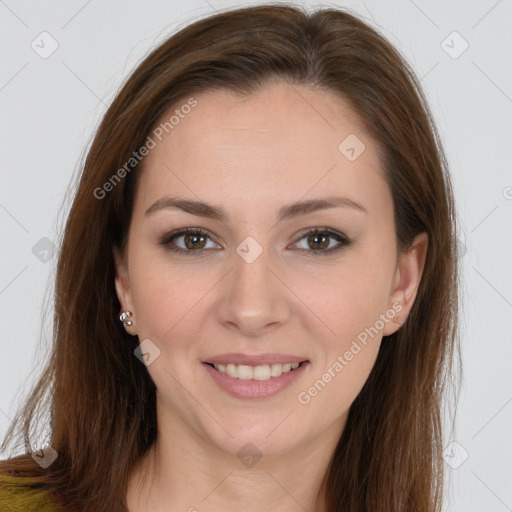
279	142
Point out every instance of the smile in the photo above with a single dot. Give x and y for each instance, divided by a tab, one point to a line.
262	381
260	372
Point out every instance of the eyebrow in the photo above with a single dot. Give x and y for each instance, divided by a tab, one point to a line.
202	209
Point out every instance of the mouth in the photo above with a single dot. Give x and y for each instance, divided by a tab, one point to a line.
260	372
257	380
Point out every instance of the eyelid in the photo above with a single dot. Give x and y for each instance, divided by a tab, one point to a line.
340	237
170	237
321	229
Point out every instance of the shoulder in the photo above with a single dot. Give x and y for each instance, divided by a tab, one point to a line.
17	495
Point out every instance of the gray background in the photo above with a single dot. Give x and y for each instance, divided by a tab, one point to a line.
51	106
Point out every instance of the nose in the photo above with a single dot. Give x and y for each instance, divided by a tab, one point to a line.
254	298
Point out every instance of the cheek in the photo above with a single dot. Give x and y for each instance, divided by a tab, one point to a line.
165	302
159	295
351	352
172	300
346	356
348	299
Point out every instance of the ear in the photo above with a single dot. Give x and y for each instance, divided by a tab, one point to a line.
406	282
123	289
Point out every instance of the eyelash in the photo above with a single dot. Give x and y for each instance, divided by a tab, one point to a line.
339	237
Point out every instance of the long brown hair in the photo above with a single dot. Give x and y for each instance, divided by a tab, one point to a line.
101	400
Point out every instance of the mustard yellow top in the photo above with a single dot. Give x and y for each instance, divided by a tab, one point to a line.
16	495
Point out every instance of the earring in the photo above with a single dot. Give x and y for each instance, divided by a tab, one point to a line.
124	316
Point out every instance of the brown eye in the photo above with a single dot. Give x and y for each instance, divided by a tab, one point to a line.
323	241
320	241
194	241
187	241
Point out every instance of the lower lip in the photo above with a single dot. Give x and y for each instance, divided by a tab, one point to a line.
255	388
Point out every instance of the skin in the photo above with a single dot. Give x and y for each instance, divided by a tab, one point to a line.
252	156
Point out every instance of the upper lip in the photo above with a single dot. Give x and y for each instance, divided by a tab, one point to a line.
254	360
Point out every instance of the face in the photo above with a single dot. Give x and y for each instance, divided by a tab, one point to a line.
258	280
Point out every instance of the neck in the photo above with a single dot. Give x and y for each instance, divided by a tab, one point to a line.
185	472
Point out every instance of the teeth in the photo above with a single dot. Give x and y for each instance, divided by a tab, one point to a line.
263	372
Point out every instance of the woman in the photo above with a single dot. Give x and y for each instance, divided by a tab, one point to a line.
256	294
